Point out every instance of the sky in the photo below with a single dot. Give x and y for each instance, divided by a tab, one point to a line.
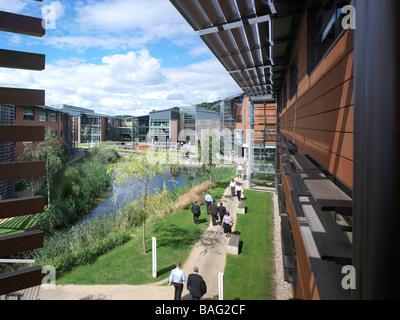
116	56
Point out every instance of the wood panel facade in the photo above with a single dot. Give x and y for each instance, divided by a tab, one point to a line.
25	241
319	118
317	133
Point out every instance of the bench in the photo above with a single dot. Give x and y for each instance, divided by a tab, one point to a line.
233	245
242	208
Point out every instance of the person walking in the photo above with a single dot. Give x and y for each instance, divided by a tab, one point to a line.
213	212
221	212
232	185
196	285
196	212
239	191
177	278
228	223
208	198
240	169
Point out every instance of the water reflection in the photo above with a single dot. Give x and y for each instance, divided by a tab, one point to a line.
125	192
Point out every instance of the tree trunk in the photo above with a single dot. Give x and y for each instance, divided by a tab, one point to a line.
48	182
144	219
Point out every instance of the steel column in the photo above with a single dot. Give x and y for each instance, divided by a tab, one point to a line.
377	149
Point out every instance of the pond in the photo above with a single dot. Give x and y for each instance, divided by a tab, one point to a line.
125	192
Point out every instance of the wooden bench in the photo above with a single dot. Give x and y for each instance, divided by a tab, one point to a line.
233	245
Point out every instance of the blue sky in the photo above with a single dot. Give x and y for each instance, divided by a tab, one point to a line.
116	56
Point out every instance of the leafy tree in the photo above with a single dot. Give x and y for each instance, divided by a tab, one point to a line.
142	170
53	151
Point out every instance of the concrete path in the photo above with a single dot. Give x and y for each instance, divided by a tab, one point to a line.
209	255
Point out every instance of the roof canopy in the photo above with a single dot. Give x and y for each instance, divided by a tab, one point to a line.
251	38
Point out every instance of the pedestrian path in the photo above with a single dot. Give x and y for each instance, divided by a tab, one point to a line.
209	255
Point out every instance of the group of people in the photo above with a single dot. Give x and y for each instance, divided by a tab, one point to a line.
195	283
236	190
218	213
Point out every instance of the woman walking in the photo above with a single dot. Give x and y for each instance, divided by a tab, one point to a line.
227	223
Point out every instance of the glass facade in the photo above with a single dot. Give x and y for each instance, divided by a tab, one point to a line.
90	129
188	124
160	130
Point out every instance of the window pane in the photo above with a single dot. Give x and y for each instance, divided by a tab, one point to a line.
43	116
28	114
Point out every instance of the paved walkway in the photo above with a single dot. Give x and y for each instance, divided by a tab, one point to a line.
209	255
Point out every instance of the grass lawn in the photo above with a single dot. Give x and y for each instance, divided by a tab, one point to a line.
126	264
17	225
249	276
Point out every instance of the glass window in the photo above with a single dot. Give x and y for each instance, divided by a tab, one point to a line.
53	117
42	116
28	114
239	119
326	23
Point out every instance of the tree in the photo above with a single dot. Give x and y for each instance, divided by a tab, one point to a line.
53	151
142	170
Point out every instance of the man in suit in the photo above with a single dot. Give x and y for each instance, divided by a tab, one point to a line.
196	212
213	212
196	285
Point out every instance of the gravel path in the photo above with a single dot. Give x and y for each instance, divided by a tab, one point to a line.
282	288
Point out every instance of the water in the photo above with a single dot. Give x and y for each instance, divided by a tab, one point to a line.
131	191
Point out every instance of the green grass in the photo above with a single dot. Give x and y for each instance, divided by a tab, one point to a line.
176	237
127	265
17	225
249	276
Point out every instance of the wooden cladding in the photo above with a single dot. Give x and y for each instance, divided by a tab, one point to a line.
20	279
16	23
22	97
319	119
22	60
21	134
21	207
10	208
20	170
20	242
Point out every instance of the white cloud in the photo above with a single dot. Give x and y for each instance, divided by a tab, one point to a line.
15	6
121	24
59	9
157	17
134	83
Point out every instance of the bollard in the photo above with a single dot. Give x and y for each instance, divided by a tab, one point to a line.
221	286
154	251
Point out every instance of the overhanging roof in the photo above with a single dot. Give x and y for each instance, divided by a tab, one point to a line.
251	38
